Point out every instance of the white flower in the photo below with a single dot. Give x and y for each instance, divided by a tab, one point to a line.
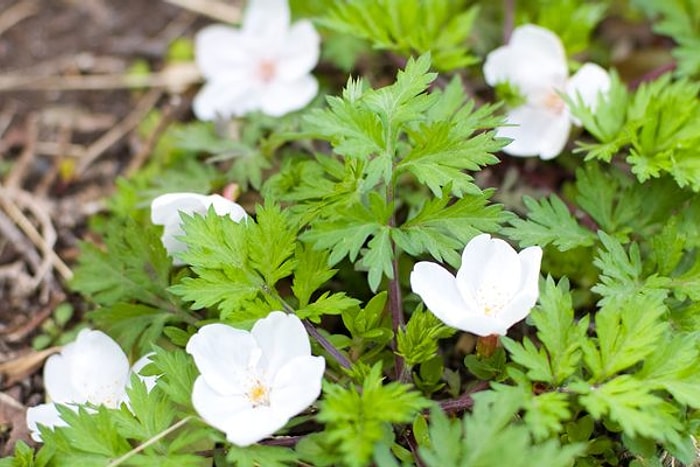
252	383
93	369
534	62
494	289
265	65
166	209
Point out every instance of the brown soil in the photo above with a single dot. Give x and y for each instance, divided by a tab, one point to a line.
47	187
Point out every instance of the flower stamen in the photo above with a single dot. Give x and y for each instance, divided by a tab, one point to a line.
259	394
266	71
554	102
491	299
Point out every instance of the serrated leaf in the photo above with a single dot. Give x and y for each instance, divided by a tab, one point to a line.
558	330
549	222
134	326
627	332
621	275
355	420
630	403
133	266
327	304
418	341
442	230
271	244
257	455
311	272
178	373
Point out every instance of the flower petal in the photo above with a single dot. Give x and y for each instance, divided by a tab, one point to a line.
438	290
226	207
266	18
282	338
282	97
97	368
225	96
589	82
165	208
220	49
297	385
522	303
531	261
482	325
222	355
57	381
235	415
45	414
250	426
537	132
489	264
219	411
534	60
300	52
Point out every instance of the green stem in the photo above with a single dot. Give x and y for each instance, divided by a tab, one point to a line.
153	440
395	299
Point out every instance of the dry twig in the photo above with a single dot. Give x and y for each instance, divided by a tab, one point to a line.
45	242
212	8
17	13
147	102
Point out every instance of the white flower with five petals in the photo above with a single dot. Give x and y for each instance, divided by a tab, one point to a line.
92	369
166	209
495	287
265	65
252	383
534	63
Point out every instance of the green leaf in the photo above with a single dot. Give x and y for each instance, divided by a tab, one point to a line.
664	124
327	304
345	234
214	241
407	26
133	326
370	321
673	368
679	20
545	413
629	402
228	289
271	244
418	341
377	259
558	330
151	412
356	420
529	356
258	455
606	121
549	222
621	276
442	230
178	373
489	436
89	437
628	331
311	272
133	266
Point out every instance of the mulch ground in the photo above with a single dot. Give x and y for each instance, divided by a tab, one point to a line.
66	133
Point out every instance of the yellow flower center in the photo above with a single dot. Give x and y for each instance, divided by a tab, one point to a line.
491	298
259	394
